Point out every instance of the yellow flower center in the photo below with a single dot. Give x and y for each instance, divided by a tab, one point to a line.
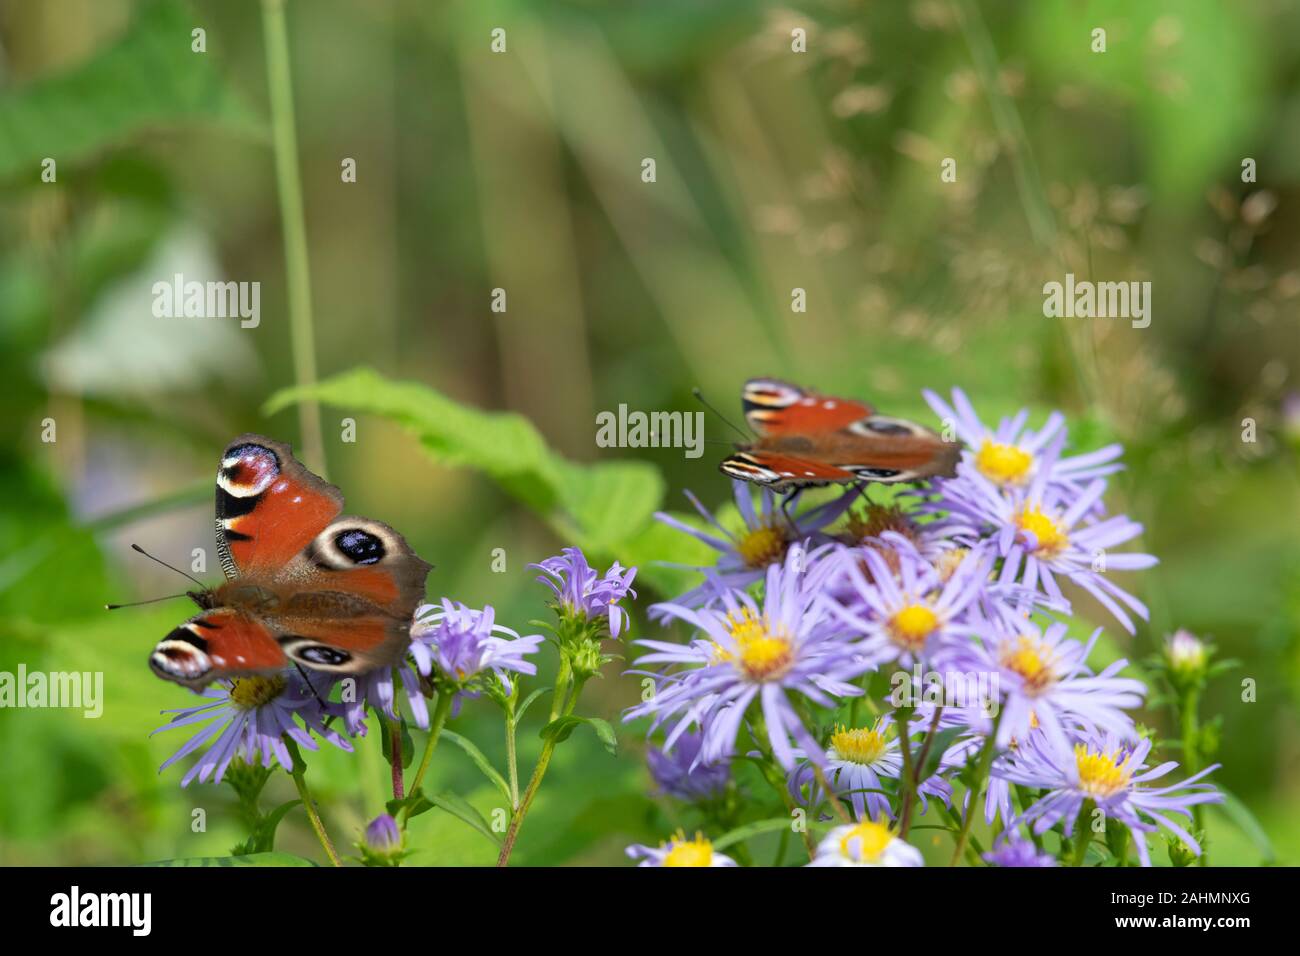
1027	657
1051	537
860	745
949	561
762	653
866	842
684	852
912	625
249	693
1099	774
1004	464
762	546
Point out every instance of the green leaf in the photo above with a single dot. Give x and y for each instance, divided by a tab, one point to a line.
462	809
416	800
480	760
147	79
600	506
264	837
1240	814
561	728
386	745
251	859
941	742
749	830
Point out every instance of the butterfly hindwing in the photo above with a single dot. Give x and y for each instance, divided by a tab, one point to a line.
355	588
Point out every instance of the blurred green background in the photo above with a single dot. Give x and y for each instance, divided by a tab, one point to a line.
521	170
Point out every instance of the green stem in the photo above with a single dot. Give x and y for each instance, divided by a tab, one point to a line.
905	785
512	760
905	814
299	775
1082	835
561	703
440	713
1189	706
976	790
293	224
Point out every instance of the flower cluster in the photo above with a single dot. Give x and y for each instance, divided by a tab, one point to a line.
252	724
870	657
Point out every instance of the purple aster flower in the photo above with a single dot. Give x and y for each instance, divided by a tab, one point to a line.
1112	774
866	843
1017	852
249	718
580	592
680	773
1043	531
858	761
377	689
748	653
1042	680
1011	455
764	538
680	851
462	644
909	613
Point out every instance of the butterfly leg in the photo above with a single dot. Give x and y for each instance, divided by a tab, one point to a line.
787	500
310	686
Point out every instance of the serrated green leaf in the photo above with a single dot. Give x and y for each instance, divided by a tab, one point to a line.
600	506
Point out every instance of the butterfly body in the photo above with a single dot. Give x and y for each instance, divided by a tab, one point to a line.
805	439
305	584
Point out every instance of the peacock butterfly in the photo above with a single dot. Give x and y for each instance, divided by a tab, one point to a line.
806	439
303	585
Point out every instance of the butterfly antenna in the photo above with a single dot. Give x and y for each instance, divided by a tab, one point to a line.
114	607
699	396
136	547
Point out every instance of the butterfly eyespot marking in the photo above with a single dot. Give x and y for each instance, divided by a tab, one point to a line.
361	546
883	425
879	473
314	654
353	542
179	655
246	472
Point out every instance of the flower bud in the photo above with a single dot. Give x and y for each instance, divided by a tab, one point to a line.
1180	854
382	843
1186	657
